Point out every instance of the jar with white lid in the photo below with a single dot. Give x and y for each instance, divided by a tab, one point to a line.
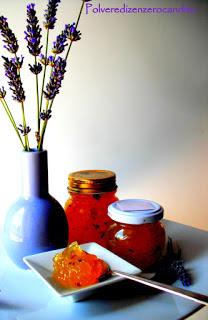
137	233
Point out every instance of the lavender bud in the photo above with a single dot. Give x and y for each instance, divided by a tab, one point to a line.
15	83
45	115
33	33
2	93
9	37
50	14
72	33
18	61
51	61
24	130
60	43
36	68
43	59
52	88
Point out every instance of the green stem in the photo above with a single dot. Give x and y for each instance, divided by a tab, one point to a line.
44	71
68	50
40	144
9	114
80	12
27	147
25	126
37	96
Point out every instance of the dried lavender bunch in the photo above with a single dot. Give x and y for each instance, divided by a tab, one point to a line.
50	14
58	66
56	78
15	83
9	37
181	273
171	266
33	33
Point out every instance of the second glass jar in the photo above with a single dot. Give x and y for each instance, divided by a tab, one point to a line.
137	233
91	192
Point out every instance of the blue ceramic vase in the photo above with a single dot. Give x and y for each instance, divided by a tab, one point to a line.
36	222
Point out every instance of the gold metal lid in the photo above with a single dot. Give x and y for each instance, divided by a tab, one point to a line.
92	181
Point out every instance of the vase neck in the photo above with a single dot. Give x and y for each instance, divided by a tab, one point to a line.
34	174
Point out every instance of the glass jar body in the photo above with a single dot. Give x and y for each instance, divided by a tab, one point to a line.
142	245
87	216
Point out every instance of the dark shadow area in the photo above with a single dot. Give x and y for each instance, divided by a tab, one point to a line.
10	306
119	296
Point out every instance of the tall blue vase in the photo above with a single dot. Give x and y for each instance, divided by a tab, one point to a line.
36	222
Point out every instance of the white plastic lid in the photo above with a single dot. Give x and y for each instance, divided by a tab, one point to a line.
135	211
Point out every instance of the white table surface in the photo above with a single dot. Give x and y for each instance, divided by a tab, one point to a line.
202	314
23	296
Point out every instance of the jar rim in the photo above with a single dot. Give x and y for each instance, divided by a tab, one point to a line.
92	181
135	211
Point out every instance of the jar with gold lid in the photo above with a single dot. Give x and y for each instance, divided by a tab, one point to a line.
91	192
137	233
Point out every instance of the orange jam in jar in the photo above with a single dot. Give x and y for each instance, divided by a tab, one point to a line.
137	234
91	192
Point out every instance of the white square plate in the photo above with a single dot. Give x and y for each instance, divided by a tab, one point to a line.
42	264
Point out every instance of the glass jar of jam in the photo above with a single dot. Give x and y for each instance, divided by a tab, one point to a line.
91	192
137	234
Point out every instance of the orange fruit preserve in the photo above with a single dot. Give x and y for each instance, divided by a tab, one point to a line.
75	268
91	192
137	233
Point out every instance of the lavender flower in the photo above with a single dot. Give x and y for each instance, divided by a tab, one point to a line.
46	61
56	78
72	33
51	60
50	14
24	131
45	115
36	68
15	83
43	59
60	43
9	37
182	274
32	35
2	93
18	61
